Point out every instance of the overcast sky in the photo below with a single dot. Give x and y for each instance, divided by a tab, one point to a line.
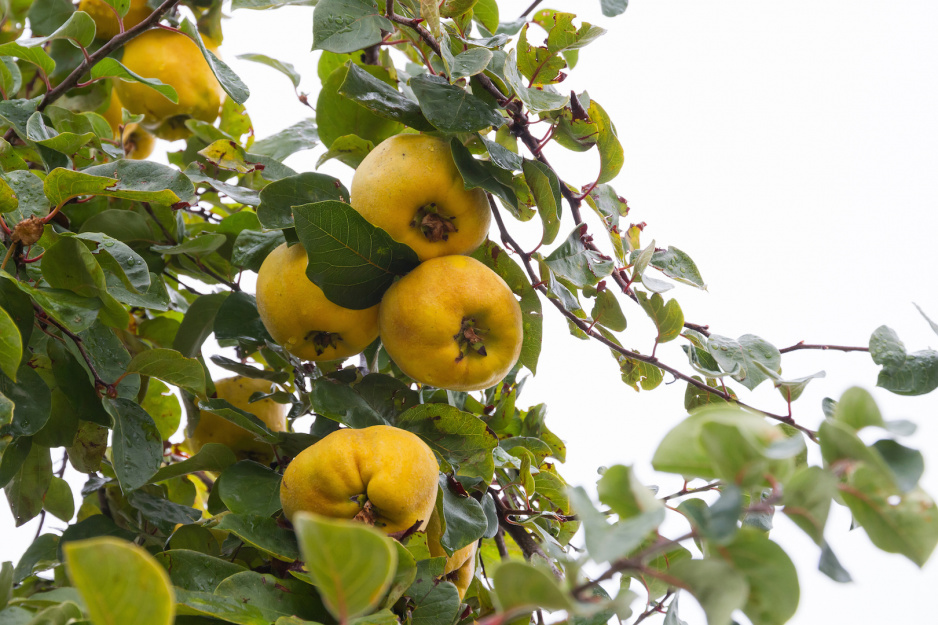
789	148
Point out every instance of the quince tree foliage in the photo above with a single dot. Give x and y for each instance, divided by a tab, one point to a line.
116	270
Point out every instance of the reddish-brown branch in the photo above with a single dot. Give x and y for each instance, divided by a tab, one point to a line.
837	348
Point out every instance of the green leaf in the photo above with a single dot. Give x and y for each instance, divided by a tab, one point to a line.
607	312
381	98
262	533
203	244
211	457
228	155
338	116
611	155
274	597
171	367
67	143
240	418
120	582
605	542
667	316
460	438
452	109
482	174
298	137
684	450
739	357
78	28
523	587
198	324
577	264
773	581
35	55
343	26
437	600
250	488
109	67
88	449
619	489
496	259
17	112
351	564
162	512
907	524
903	373
857	409
228	80
196	571
11	345
137	447
13	457
32	403
352	261
545	187
907	465
678	266
807	500
464	518
40	555
349	149
562	35
59	501
536	100
142	181
716	585
28	487
284	68
611	8
486	13
538	64
238	319
279	198
465	64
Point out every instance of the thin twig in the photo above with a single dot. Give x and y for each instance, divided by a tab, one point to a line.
522	538
837	348
528	10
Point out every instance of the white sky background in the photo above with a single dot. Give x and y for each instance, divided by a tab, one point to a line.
789	148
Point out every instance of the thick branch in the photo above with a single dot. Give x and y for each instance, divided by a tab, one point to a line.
113	44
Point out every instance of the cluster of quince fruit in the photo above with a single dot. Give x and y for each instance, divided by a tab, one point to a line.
450	323
381	475
165	55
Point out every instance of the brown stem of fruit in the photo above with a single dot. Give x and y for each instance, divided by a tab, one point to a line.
434	225
471	339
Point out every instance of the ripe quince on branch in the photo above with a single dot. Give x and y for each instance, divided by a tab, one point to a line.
105	19
214	429
174	59
409	186
299	317
452	323
382	475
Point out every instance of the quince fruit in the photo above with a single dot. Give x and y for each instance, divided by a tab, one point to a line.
137	142
452	323
409	186
105	19
214	429
382	475
299	316
175	60
461	566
